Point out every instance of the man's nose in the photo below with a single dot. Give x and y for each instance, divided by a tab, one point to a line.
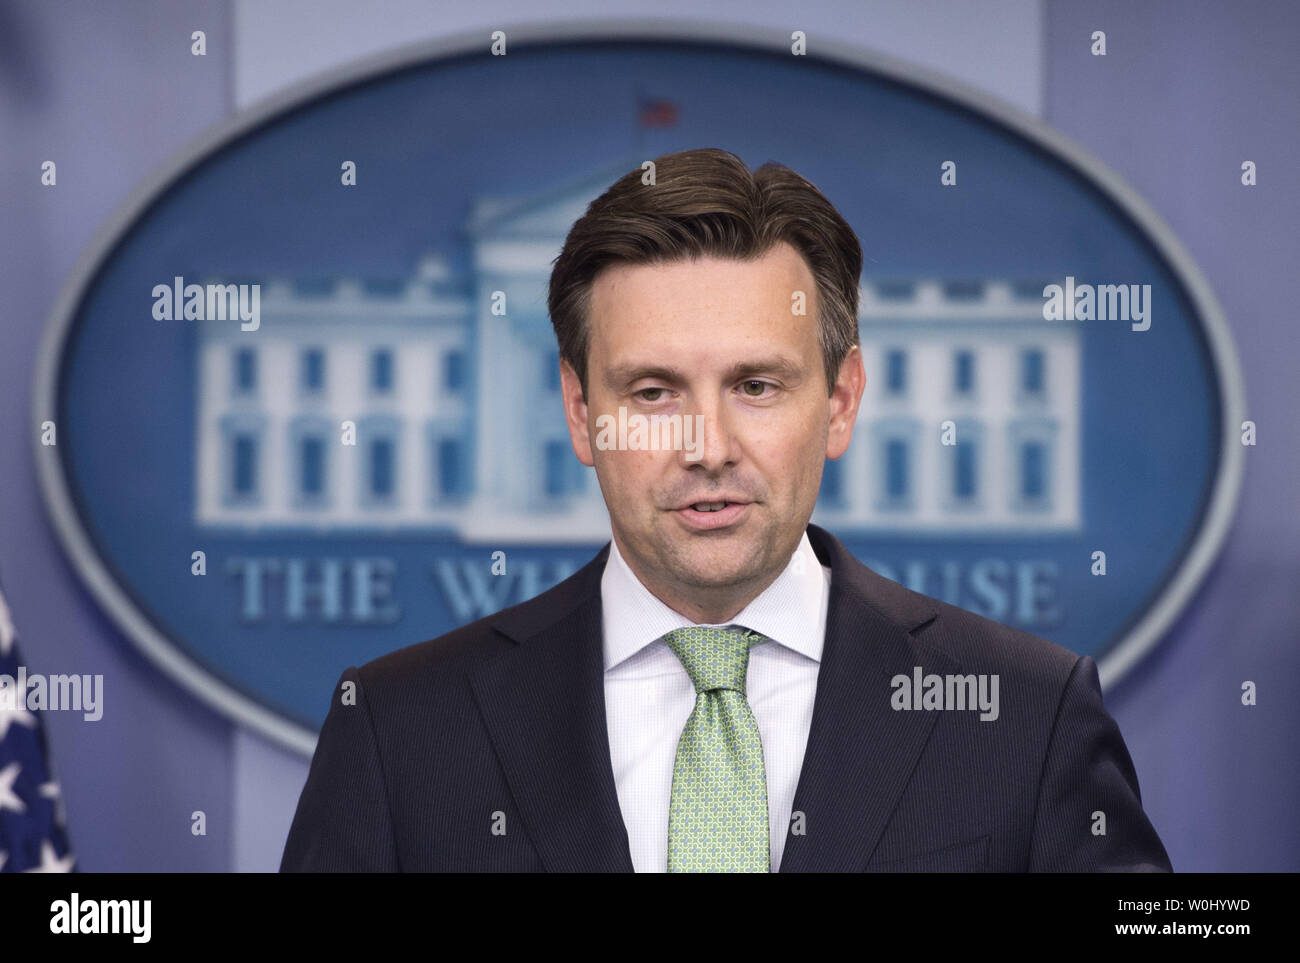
708	435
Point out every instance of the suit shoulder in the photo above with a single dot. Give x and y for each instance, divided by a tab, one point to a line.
980	642
459	650
452	652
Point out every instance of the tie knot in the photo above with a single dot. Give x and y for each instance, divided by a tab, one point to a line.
715	658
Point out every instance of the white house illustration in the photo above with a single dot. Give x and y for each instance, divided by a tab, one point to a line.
458	428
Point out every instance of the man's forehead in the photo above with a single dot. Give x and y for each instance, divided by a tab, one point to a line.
768	282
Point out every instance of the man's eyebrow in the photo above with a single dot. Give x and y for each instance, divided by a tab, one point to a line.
621	376
777	365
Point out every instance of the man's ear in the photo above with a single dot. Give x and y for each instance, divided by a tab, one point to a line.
575	413
846	397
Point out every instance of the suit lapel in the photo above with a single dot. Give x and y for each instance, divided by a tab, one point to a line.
544	706
861	752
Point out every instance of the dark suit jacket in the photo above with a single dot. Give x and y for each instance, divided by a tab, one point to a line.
500	725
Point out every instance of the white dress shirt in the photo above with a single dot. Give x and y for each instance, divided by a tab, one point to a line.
649	696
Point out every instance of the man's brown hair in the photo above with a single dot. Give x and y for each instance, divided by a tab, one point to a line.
706	202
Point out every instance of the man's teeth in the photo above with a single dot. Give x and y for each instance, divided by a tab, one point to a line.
709	506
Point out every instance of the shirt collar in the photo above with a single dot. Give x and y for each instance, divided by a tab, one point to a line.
790	611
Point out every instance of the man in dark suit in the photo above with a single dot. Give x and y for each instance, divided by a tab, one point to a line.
723	687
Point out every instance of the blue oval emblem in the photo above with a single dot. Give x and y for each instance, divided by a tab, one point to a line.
287	428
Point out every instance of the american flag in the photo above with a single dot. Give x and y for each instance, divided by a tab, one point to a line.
33	837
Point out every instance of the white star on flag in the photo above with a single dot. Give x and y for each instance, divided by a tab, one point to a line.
17	713
50	863
8	798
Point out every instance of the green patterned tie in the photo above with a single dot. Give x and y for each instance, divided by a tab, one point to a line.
717	817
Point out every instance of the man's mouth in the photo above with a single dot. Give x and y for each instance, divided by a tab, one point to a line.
712	515
710	506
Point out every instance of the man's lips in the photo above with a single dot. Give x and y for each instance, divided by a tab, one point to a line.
712	500
705	520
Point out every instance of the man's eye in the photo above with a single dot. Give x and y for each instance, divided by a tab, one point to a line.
644	394
761	386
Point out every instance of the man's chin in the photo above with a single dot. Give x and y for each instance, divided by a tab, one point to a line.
710	568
